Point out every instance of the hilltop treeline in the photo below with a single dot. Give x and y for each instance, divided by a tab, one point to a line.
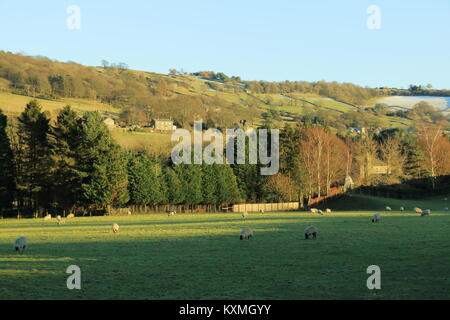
121	87
73	164
346	92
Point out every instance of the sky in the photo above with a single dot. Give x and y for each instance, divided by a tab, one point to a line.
255	39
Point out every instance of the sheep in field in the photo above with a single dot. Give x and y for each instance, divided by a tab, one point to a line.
244	214
402	208
319	212
70	216
171	213
20	244
261	211
115	227
313	210
425	213
417	210
376	217
310	231
246	233
446	209
47	217
388	209
328	210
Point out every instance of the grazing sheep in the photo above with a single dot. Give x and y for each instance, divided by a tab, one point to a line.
310	231
171	213
376	217
313	210
388	209
70	216
246	233
328	210
61	221
58	218
47	217
20	244
425	213
115	227
417	210
244	214
402	208
320	212
129	212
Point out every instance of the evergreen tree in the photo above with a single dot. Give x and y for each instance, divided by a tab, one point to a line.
174	186
6	167
65	141
144	180
34	164
209	184
102	163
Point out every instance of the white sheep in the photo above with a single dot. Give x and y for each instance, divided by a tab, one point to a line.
313	210
246	233
402	208
328	210
20	244
70	216
47	217
417	210
115	227
425	213
319	212
171	213
388	209
58	218
376	217
310	231
129	212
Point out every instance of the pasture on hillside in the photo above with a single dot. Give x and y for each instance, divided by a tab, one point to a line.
200	256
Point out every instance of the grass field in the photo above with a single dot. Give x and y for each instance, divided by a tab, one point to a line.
13	105
201	257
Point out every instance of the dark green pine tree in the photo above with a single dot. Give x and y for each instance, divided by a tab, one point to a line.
192	183
144	180
209	185
7	184
103	165
65	142
227	190
34	164
174	186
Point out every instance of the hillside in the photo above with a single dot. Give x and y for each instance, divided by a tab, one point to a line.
220	100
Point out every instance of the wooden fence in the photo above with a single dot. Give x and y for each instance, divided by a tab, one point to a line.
256	207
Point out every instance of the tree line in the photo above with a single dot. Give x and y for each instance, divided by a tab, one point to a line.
72	164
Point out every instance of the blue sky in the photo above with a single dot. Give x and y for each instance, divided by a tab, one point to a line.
256	40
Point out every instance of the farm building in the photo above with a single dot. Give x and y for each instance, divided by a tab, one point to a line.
110	123
163	124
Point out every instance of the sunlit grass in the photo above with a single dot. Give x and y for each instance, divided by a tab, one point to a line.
200	256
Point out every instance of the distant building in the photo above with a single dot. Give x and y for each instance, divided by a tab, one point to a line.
358	130
379	170
109	122
163	125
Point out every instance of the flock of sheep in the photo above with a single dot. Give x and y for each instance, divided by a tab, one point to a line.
247	233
